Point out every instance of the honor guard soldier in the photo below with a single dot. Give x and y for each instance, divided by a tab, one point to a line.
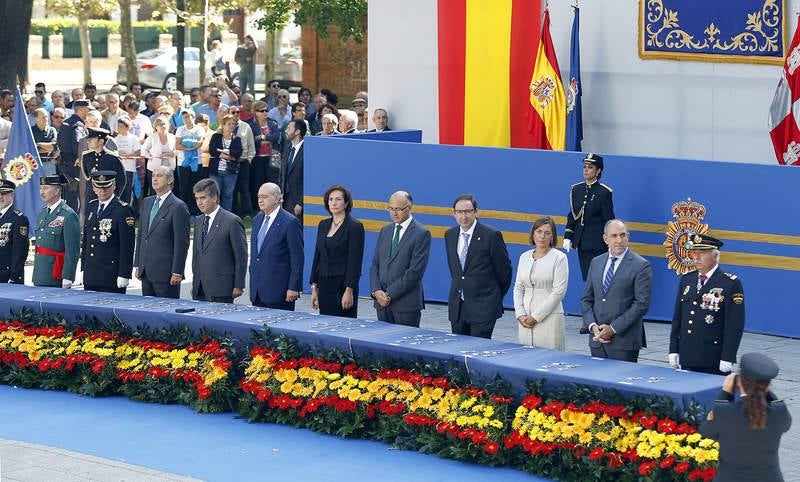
69	135
108	238
98	158
749	428
709	313
590	208
14	243
58	237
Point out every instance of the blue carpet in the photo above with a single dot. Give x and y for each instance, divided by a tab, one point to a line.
216	447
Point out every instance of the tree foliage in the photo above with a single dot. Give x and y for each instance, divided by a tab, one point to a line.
349	15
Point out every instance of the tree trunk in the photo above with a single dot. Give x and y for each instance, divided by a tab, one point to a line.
203	36
128	46
15	28
269	60
86	47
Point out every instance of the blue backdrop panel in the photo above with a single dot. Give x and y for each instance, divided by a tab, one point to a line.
753	208
396	136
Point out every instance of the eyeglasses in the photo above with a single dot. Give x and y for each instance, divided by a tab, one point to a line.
234	111
275	86
38	92
464	211
283	96
261	110
397	210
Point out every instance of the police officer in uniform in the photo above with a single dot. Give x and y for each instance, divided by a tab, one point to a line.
590	208
708	321
97	158
14	243
108	238
58	237
69	135
749	428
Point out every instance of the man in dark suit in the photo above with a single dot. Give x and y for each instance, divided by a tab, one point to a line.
71	132
398	264
590	208
708	322
163	239
292	169
480	271
380	118
14	242
219	254
108	238
276	253
616	297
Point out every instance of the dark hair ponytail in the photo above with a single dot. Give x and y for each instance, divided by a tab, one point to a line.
756	402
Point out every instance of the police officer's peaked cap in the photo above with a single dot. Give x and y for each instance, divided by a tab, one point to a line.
595	159
758	367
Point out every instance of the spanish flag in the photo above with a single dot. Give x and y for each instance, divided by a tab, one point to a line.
486	55
547	115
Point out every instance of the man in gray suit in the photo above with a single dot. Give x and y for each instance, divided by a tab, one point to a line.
398	264
219	255
163	239
617	295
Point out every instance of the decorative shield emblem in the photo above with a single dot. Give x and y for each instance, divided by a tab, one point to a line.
20	169
542	90
682	232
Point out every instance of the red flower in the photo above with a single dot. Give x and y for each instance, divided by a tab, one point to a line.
648	422
646	468
491	447
596	453
667	426
709	473
696	474
531	402
681	467
667	462
614	460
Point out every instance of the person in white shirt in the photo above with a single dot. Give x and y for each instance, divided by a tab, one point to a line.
130	151
159	149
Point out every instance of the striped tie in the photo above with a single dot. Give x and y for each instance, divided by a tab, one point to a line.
462	256
609	276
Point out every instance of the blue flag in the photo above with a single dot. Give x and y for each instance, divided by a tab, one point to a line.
22	164
573	88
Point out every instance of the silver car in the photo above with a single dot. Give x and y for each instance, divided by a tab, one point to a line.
157	68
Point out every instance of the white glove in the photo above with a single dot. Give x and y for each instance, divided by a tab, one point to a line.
567	245
122	282
674	360
66	283
725	366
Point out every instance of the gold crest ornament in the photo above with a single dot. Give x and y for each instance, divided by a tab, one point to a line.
105	229
543	90
572	94
683	233
738	298
20	169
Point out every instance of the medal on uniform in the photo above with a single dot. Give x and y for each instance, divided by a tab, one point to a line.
5	230
686	290
712	300
709	319
105	229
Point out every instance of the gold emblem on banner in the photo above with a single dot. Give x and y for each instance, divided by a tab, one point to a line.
682	232
543	90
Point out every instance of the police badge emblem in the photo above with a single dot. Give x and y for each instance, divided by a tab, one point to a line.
682	233
20	169
5	230
572	94
105	229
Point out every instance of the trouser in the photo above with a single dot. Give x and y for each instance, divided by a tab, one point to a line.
247	79
243	202
710	370
104	289
465	326
285	305
162	290
407	318
585	257
201	296
187	179
259	174
227	185
614	354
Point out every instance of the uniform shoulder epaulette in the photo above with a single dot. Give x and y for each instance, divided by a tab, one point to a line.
87	151
111	151
18	212
577	184
776	401
731	276
607	187
93	200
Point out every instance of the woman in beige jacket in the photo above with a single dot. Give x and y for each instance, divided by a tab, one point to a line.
542	276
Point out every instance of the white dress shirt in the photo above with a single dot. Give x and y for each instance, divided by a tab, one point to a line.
470	231
405	225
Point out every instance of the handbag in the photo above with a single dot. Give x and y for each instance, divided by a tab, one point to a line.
232	167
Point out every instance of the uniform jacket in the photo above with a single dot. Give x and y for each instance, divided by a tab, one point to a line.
69	134
590	208
625	303
14	245
400	275
292	178
485	278
220	263
746	454
103	161
57	231
707	325
278	266
161	250
342	254
108	240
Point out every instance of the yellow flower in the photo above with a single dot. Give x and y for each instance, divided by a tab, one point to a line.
694	438
585	437
354	395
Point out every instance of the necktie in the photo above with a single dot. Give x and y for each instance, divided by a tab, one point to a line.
205	231
395	239
609	276
100	209
462	256
153	212
291	158
262	232
701	280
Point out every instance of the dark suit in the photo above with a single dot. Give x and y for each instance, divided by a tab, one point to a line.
219	258
484	280
71	132
375	130
747	454
622	307
108	240
400	274
14	245
590	208
161	249
292	180
278	266
707	328
337	265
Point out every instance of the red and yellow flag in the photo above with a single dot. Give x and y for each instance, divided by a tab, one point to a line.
547	116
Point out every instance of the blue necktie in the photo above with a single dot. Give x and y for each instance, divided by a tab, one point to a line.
462	256
262	233
153	212
609	276
291	158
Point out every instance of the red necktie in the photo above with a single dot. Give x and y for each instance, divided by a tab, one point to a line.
703	279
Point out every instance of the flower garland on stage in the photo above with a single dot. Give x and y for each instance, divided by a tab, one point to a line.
571	433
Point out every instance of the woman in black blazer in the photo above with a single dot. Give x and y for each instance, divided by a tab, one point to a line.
225	149
338	253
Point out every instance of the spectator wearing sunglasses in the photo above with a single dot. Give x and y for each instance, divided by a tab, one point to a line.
272	96
40	92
